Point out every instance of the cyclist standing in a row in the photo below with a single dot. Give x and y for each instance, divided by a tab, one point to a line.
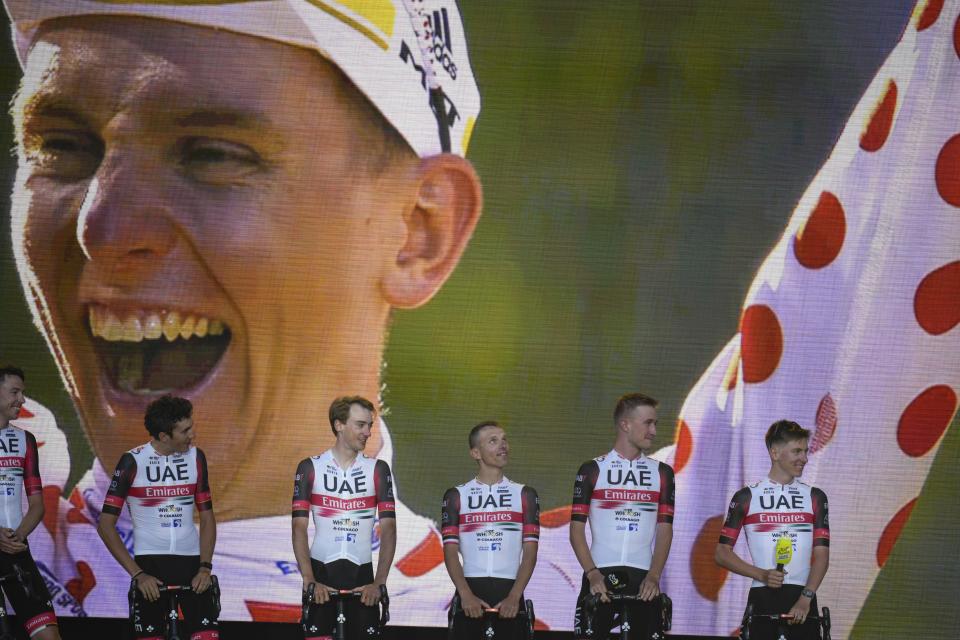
19	474
162	482
351	498
628	499
494	523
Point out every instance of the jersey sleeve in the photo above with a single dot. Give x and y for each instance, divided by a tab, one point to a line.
531	514
821	519
667	494
31	467
736	513
383	484
302	488
583	490
123	477
450	517
203	497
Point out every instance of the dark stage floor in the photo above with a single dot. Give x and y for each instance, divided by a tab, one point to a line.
115	629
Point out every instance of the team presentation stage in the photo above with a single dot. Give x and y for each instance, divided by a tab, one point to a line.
559	317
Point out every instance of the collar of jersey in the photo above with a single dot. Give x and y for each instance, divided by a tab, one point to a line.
614	452
504	480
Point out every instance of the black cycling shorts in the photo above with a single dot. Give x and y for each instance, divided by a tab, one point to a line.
491	591
645	617
31	601
362	622
200	612
770	601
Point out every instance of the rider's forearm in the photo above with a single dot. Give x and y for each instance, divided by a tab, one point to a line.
527	563
451	558
111	539
33	516
301	550
818	567
728	559
578	540
661	549
208	535
388	547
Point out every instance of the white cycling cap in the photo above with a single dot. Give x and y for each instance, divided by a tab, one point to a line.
409	57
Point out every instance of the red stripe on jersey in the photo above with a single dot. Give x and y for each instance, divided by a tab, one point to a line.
172	491
113	501
665	509
12	461
301	505
203	496
581	509
531	530
490	516
625	495
386	506
823	534
32	486
352	504
774	517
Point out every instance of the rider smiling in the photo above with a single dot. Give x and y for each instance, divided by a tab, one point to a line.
494	524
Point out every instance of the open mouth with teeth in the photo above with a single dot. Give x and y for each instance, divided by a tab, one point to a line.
155	352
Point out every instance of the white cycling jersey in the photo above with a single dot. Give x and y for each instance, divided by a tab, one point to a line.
19	473
344	503
490	523
769	511
623	500
161	493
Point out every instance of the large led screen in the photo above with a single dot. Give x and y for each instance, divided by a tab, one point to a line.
749	211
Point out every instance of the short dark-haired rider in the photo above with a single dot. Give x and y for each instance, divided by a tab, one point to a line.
493	523
162	482
780	507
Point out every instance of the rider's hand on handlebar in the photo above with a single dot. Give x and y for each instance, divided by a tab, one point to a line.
370	594
148	586
773	578
9	543
510	605
202	581
800	610
472	605
598	585
321	593
649	588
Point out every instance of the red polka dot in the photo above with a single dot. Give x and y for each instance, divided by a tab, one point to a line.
684	442
937	301
819	240
83	584
707	576
761	342
423	558
880	123
826	424
51	506
892	531
556	517
948	171
925	419
930	14
956	36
